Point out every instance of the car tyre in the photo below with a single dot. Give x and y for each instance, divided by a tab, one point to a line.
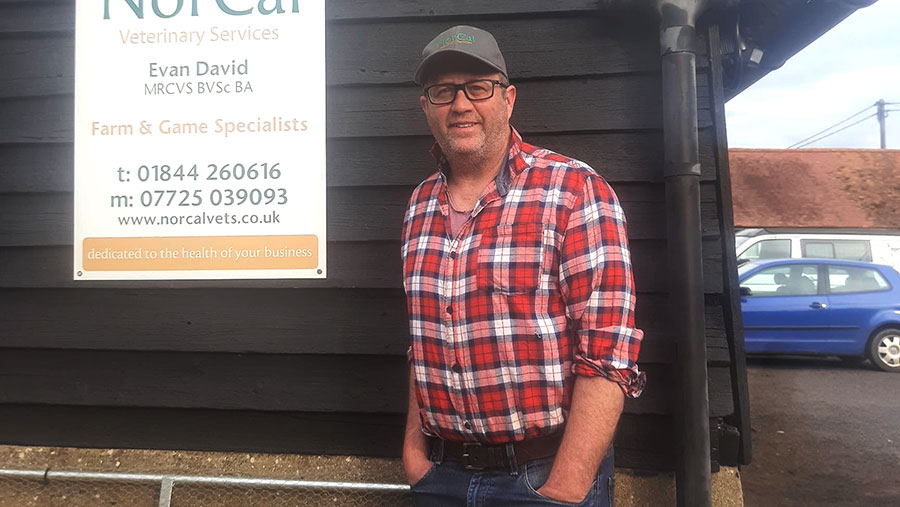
884	349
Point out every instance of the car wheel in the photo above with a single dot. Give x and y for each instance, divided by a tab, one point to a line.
884	349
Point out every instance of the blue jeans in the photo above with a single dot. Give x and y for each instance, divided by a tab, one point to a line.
448	484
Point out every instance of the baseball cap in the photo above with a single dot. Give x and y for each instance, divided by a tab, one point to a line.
461	40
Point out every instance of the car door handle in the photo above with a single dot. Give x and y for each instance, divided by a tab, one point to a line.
817	305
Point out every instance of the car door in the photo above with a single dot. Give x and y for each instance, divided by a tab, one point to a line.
786	311
855	294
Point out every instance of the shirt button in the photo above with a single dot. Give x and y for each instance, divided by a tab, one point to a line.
450	310
467	425
456	368
452	255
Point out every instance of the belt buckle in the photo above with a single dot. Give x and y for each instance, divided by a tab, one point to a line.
467	457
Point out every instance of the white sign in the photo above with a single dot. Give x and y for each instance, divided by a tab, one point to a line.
199	139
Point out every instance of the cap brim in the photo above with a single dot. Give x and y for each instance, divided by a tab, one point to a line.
436	57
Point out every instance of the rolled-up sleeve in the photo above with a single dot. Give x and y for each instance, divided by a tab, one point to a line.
598	287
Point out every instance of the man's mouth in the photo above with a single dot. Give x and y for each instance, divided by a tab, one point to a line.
462	125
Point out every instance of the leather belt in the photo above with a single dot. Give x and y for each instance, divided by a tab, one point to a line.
478	456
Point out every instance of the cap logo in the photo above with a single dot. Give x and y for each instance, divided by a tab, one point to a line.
460	38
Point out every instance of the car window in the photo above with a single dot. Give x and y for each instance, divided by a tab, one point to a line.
785	280
740	239
845	280
768	249
848	250
743	268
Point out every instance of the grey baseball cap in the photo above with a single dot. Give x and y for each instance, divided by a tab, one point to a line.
461	40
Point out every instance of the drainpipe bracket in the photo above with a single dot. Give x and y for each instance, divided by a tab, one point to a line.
681	169
677	39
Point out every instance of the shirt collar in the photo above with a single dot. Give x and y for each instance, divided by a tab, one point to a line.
512	166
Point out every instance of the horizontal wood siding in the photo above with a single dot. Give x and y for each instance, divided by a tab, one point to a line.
191	320
319	365
340	383
639	443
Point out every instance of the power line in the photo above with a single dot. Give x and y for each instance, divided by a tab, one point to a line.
831	127
836	131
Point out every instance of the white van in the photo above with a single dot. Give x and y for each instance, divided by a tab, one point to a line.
882	247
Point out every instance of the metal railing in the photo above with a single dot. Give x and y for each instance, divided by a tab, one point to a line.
58	487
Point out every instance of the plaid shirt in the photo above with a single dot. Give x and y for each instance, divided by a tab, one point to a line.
535	288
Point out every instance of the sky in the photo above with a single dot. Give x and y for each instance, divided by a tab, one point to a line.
848	68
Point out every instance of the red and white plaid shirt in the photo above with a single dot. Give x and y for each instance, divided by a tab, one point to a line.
535	288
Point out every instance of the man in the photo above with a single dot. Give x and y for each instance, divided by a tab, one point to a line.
521	302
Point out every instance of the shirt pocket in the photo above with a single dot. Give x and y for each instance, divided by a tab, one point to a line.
510	259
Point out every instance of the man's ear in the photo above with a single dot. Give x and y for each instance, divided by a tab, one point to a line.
510	100
424	103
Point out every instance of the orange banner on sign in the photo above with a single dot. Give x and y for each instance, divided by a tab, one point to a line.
200	253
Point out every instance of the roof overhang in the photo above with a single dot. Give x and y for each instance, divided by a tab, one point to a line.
759	36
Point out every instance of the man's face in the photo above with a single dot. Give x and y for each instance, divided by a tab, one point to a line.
466	127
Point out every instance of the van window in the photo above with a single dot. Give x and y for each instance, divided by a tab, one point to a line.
740	240
848	250
844	280
768	249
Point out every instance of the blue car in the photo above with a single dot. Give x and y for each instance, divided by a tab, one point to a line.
822	307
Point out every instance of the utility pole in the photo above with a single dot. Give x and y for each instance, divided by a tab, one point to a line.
881	116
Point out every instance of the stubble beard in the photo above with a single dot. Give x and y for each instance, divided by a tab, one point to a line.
464	153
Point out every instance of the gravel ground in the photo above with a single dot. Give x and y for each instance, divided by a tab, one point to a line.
824	433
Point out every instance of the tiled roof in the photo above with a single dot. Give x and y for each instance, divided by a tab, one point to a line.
816	188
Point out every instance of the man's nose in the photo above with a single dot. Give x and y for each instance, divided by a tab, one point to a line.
461	101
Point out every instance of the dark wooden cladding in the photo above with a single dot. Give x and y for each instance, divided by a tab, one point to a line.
532	48
36	167
319	365
315	383
372	162
350	264
645	442
641	441
362	9
620	157
287	321
361	112
203	430
328	321
37	120
657	396
29	17
37	66
354	214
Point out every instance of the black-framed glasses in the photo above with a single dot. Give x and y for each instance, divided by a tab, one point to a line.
445	93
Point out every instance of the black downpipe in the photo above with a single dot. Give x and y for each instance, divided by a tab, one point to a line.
686	304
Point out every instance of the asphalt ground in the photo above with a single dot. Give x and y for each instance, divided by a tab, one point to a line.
824	433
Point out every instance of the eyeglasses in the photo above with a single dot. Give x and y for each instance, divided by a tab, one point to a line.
479	89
